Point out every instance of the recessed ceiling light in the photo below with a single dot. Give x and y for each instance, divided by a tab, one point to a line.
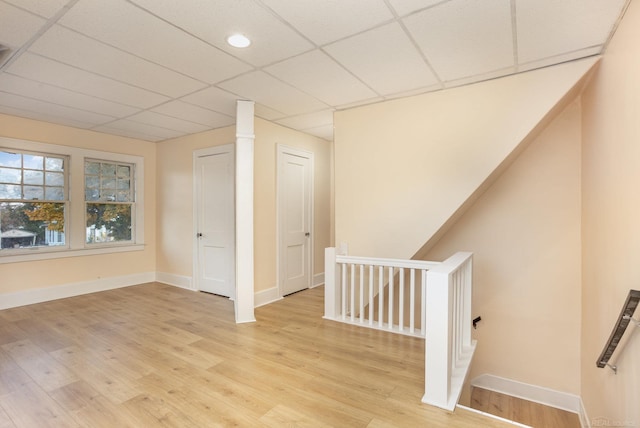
238	41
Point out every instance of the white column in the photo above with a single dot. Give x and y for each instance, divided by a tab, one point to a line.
244	212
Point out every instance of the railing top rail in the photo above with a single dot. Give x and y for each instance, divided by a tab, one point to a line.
452	263
397	263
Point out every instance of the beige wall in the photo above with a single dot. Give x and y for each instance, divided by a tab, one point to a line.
611	225
47	273
524	232
403	167
268	135
175	199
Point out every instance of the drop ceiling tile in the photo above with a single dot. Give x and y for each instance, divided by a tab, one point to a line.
34	67
325	132
51	109
43	117
559	59
311	120
80	51
405	7
46	8
17	26
168	122
385	59
131	29
327	21
32	89
130	126
547	28
464	37
267	113
181	110
214	21
127	133
264	89
215	99
317	74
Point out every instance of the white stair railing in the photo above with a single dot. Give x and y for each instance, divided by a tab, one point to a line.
413	297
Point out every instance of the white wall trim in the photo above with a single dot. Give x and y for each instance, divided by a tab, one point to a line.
489	415
267	296
585	422
538	394
180	281
318	279
39	295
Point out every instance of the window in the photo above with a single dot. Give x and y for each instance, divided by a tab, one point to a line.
62	201
109	201
33	199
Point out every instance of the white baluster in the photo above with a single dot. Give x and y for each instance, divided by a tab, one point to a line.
370	294
401	302
380	296
361	293
412	302
390	326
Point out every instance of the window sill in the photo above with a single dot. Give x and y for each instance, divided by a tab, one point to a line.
34	255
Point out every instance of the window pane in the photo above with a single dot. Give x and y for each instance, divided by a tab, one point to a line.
33	192
9	175
92	168
10	191
108	223
92	182
124	196
123	184
33	177
33	161
108	195
54	164
108	183
92	194
54	193
10	159
108	169
25	225
124	171
55	179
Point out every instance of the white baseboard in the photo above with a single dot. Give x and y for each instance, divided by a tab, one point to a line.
175	280
39	295
264	297
538	394
318	279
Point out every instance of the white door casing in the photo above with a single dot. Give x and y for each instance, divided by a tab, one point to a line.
295	219
214	220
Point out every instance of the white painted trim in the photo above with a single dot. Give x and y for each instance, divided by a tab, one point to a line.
39	295
267	296
585	422
318	280
537	394
180	281
489	415
281	150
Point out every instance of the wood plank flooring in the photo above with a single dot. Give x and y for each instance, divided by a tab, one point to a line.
522	411
155	355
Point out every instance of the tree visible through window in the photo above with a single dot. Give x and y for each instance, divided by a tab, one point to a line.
109	199
33	199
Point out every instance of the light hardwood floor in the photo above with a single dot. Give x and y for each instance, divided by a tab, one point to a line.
155	355
522	411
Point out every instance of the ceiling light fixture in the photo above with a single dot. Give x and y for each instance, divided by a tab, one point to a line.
238	41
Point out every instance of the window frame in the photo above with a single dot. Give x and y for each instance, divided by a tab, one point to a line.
75	228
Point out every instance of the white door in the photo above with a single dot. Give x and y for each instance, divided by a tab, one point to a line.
214	267
295	219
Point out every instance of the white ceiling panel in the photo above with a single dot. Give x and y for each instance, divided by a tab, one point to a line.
80	51
464	37
44	70
547	27
45	8
43	92
267	113
558	59
163	121
189	112
44	117
262	88
405	7
317	74
215	99
17	26
327	21
137	134
214	21
385	59
325	132
153	132
55	110
311	120
131	29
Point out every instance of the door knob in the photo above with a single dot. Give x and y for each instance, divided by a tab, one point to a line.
199	235
307	234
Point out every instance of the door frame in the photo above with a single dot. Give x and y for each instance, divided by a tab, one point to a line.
209	151
281	151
